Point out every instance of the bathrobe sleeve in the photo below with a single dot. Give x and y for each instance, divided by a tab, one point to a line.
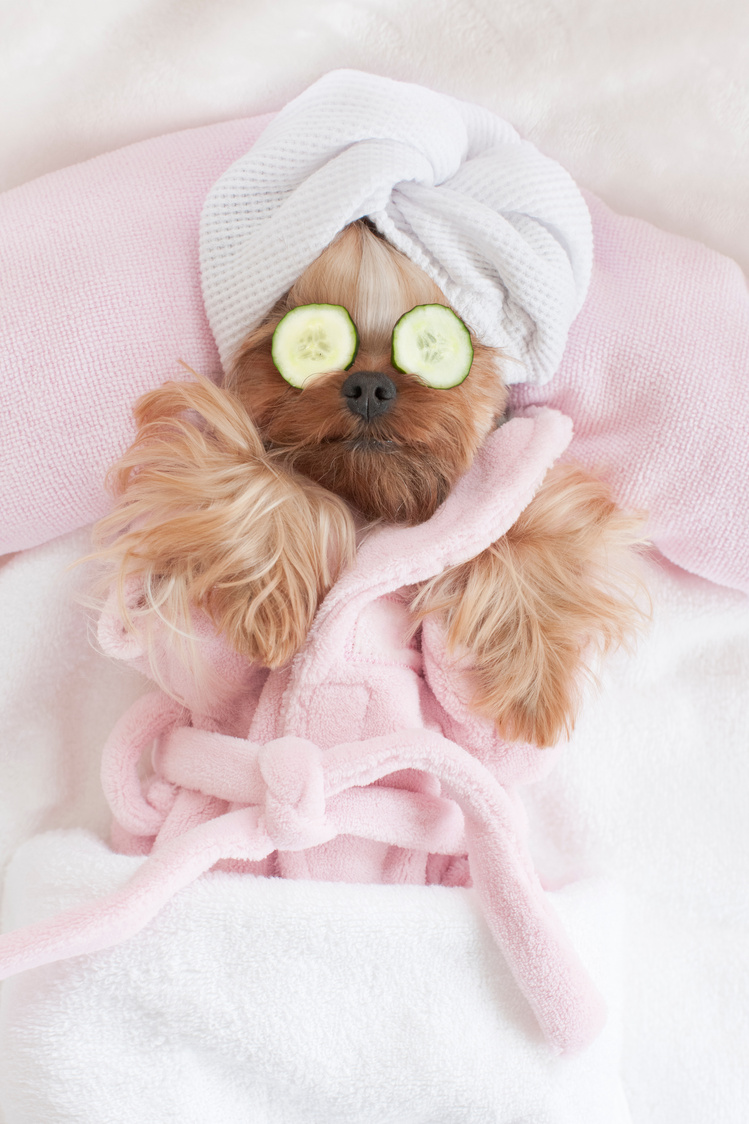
202	671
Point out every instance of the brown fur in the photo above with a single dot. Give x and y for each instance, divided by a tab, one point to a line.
207	519
403	465
238	501
535	607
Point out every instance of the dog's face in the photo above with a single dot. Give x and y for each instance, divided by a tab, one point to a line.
400	462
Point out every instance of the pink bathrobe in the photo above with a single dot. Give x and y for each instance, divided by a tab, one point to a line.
360	761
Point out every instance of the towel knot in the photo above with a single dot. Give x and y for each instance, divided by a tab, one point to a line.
295	797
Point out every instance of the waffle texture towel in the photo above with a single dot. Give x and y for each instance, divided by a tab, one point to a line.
503	230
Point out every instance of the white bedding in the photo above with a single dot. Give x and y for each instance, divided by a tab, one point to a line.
647	104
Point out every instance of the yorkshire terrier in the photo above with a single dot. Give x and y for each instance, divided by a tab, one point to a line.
246	502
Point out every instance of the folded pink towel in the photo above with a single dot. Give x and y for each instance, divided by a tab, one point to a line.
100	298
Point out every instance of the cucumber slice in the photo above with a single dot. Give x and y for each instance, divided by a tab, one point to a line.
433	343
313	339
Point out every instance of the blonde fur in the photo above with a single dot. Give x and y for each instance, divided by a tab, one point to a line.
205	519
381	283
537	608
239	502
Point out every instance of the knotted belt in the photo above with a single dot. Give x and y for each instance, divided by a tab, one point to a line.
288	795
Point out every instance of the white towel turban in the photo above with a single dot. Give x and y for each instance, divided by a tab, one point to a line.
502	230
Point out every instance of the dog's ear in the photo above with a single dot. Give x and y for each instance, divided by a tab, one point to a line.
206	519
535	609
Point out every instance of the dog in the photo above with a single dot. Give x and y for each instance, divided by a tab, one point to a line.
247	501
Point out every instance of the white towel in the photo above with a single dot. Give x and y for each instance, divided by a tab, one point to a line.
283	1002
502	230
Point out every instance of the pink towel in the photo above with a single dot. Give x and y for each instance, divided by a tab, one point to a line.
100	298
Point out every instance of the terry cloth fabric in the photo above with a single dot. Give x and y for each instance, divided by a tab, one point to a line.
361	762
100	298
292	1002
502	230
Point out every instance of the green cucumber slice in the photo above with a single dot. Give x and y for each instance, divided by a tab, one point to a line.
433	343
313	339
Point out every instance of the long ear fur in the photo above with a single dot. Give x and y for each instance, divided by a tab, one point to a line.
206	519
537	607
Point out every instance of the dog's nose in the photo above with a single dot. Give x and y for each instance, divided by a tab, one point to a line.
369	393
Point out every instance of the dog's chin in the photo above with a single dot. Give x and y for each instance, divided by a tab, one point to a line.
380	479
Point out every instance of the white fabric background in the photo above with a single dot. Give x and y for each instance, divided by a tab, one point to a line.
647	104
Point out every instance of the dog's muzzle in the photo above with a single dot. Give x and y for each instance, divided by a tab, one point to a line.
369	394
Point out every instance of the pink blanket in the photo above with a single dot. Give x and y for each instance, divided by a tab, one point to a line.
100	299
